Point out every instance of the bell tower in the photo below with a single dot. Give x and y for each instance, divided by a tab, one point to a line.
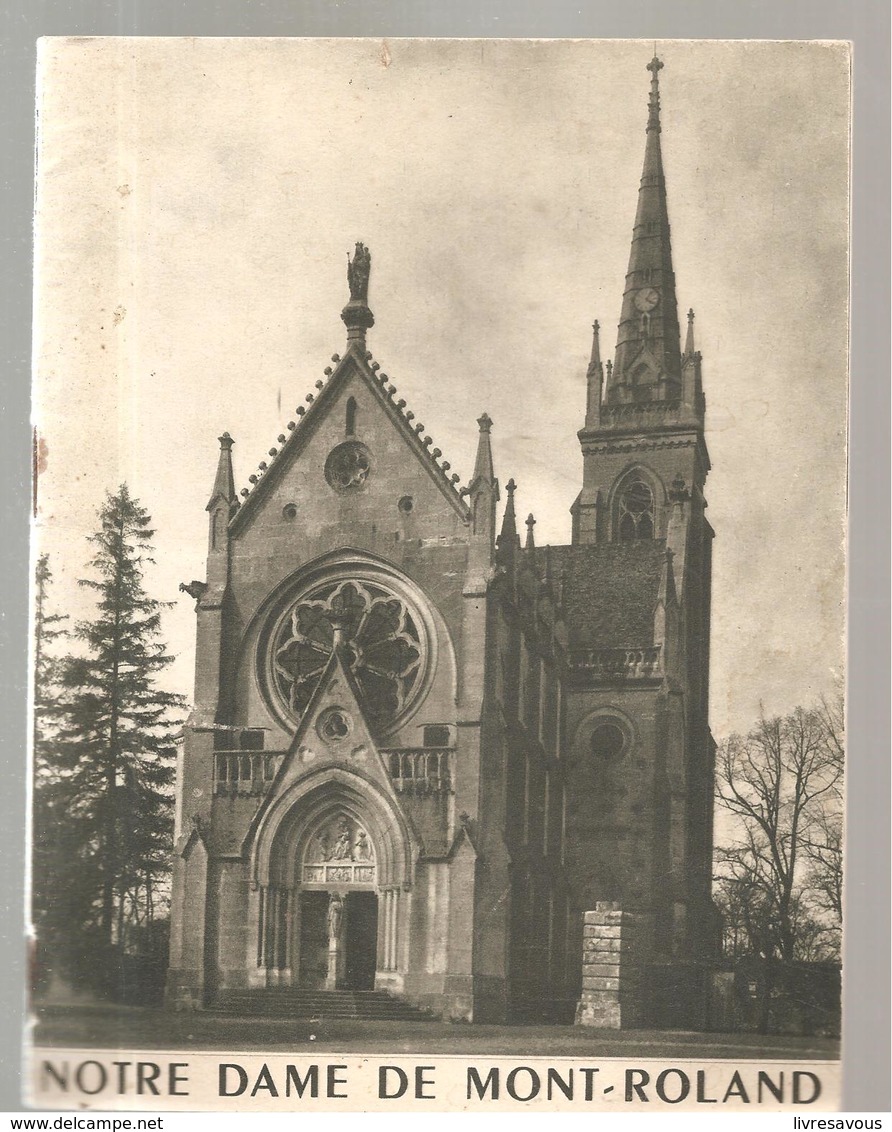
646	407
641	552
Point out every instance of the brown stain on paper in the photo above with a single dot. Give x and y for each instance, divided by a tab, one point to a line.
40	459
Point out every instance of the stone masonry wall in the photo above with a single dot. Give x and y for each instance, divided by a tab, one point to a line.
609	969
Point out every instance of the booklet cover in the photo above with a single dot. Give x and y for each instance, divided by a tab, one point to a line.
439	574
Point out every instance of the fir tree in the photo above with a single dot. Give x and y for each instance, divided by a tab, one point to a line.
50	859
48	628
113	763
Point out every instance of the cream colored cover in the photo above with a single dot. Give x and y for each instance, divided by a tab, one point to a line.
195	200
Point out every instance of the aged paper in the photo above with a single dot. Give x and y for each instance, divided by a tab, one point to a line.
490	624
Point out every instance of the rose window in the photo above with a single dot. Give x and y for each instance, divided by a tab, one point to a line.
380	641
348	466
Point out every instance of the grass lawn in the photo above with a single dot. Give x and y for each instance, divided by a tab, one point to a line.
133	1028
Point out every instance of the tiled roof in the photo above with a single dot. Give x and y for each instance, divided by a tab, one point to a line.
609	591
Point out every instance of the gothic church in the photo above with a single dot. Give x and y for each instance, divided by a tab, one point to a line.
426	754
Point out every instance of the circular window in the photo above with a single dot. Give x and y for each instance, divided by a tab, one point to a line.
607	740
380	640
334	725
289	512
406	504
348	466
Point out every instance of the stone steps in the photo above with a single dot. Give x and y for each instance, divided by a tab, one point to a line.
289	1002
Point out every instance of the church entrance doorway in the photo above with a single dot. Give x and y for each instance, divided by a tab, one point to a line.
338	940
313	969
338	906
360	940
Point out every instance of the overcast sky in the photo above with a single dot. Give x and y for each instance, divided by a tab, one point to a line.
196	202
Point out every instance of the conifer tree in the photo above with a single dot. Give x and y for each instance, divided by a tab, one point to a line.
48	628
50	855
113	762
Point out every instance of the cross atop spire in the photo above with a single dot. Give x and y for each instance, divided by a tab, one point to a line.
653	117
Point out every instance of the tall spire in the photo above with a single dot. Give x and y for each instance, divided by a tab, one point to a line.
648	359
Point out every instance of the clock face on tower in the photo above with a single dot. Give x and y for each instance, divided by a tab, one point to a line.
647	299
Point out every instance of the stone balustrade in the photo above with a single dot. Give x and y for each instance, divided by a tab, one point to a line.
619	664
414	770
421	770
245	772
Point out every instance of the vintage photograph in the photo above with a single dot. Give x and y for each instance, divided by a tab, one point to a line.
439	570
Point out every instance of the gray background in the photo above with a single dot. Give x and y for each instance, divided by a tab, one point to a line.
866	23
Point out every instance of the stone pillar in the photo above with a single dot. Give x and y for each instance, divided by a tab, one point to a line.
609	975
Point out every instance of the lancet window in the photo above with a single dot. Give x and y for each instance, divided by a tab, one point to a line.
635	511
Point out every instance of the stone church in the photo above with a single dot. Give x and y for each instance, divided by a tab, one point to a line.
430	761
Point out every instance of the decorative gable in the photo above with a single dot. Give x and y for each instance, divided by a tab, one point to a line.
333	732
363	400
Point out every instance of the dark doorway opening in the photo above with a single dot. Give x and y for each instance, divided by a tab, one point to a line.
361	940
313	940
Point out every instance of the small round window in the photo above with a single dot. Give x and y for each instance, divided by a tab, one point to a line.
607	740
334	725
348	466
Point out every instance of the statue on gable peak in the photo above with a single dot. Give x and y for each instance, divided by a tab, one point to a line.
358	271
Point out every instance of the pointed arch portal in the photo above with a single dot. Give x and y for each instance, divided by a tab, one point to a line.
330	870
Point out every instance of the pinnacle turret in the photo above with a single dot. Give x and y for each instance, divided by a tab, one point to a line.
531	541
689	350
508	542
224	482
594	379
483	469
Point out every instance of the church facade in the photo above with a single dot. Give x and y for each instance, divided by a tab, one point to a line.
423	747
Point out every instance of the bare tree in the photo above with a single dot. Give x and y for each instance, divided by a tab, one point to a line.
779	877
782	783
822	845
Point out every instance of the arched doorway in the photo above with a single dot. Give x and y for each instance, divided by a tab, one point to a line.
337	908
331	882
